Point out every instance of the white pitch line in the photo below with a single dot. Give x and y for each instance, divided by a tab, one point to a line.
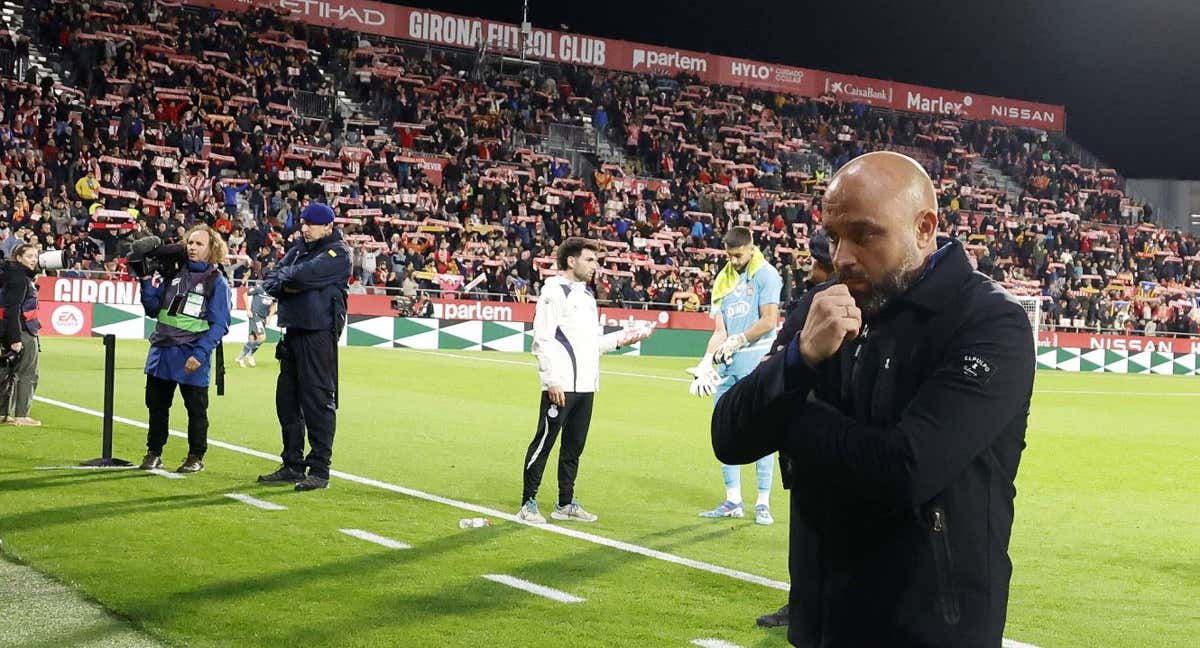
164	473
475	508
1009	643
534	588
255	502
377	539
714	643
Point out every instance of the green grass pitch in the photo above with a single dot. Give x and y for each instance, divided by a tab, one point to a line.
1105	545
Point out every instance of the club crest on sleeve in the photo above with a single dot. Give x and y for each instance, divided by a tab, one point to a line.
976	367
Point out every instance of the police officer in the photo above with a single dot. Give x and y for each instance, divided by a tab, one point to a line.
819	273
192	308
259	308
21	346
311	283
903	403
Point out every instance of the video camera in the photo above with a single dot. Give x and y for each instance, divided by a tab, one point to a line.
404	306
412	306
149	255
9	357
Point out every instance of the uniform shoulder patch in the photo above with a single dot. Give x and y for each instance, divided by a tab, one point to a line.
977	368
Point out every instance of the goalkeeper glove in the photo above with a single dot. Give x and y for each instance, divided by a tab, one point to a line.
724	353
704	378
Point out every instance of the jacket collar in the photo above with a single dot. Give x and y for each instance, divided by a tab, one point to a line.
950	268
322	243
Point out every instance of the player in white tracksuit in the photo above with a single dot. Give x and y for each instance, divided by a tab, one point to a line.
567	340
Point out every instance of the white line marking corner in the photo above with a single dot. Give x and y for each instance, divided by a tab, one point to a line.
534	588
255	502
377	539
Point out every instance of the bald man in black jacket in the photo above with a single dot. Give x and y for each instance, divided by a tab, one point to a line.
902	403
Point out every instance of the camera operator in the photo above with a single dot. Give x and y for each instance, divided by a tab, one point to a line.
192	308
21	347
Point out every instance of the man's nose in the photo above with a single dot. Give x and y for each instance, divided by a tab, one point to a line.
843	257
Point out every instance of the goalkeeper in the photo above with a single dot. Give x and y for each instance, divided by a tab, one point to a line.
745	312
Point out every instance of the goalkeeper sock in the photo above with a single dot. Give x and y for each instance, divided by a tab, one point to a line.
734	494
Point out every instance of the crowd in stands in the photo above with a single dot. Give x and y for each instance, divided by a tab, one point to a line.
170	114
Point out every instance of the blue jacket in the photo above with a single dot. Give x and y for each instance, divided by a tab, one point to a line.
167	362
311	282
231	194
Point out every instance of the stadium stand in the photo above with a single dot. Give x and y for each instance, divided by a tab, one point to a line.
450	166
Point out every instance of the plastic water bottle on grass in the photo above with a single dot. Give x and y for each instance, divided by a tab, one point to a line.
474	523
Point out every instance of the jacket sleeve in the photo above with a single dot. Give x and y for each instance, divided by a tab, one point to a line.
218	320
609	341
152	297
545	324
15	288
329	268
747	419
982	384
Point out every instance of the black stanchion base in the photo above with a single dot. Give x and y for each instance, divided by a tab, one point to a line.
104	463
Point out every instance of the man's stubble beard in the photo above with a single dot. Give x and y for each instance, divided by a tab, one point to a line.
892	285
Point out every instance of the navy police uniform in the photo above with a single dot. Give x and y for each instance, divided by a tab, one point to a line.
906	444
311	283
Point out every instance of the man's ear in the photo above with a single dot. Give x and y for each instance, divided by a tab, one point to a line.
927	225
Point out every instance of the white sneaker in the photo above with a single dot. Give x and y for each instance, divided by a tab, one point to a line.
573	511
529	513
25	421
241	361
762	515
250	361
726	509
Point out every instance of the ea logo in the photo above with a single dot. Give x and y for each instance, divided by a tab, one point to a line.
67	320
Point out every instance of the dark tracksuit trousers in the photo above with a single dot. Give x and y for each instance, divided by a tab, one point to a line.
306	398
572	419
160	394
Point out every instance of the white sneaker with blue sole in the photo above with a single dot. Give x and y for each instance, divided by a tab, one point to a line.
725	509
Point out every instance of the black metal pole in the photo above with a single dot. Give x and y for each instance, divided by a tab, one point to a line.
110	370
220	368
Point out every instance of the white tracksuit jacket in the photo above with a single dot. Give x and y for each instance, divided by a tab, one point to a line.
568	337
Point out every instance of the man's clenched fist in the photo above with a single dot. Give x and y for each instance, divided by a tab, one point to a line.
833	320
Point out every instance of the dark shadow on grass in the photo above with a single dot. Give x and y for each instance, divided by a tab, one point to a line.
687	533
477	596
93	510
66	478
369	564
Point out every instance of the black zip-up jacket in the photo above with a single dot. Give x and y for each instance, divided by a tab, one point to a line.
905	445
311	284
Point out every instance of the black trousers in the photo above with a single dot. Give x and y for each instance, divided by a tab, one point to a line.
159	396
572	419
306	398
